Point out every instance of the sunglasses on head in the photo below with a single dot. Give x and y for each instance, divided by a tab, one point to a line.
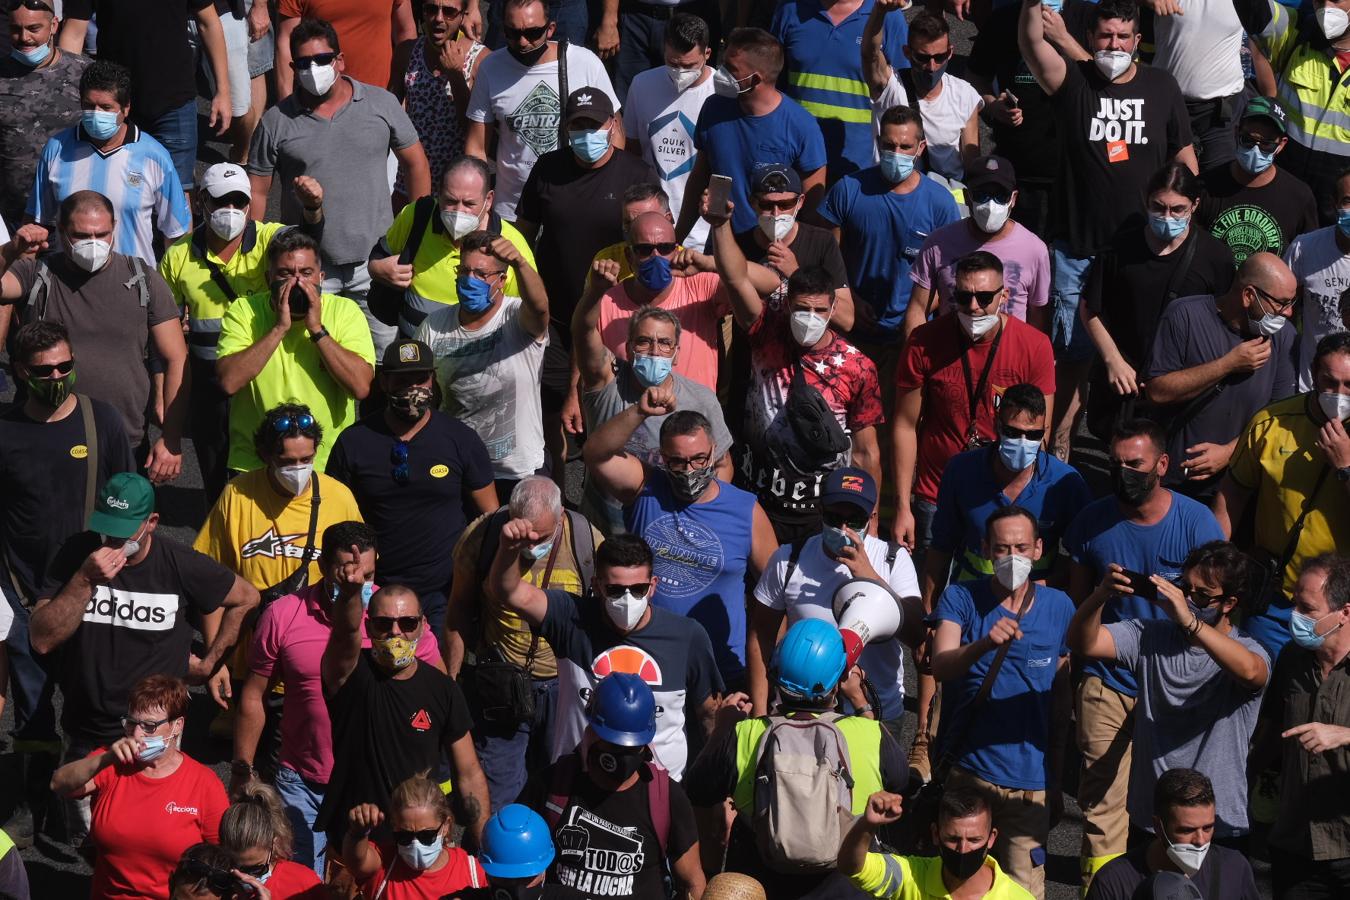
665	248
218	881
983	298
398	457
615	591
61	368
431	10
32	6
298	422
425	836
529	34
856	521
385	624
1029	434
318	59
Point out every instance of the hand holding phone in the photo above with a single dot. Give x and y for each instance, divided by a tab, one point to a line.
719	192
1141	586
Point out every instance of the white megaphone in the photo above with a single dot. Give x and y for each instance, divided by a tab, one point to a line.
867	611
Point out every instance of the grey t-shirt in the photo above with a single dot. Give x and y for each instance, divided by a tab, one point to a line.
347	154
622	392
1189	714
1192	333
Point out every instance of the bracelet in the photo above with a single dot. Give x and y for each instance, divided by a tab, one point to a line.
1194	628
865	708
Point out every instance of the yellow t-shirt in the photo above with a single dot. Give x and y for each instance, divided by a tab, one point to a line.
190	280
500	627
259	533
437	261
1277	459
892	877
294	374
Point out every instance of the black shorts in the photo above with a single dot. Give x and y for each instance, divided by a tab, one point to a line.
555	377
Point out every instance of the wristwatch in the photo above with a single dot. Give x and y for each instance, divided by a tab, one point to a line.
1343	473
241	768
319	335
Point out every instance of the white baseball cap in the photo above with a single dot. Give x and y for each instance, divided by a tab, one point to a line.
225	178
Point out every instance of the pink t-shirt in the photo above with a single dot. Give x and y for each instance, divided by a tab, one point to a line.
1026	264
289	642
696	301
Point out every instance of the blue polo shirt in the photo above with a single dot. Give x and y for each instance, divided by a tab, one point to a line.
733	143
823	72
1101	535
969	494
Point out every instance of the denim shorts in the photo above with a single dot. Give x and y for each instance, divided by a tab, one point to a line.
1067	334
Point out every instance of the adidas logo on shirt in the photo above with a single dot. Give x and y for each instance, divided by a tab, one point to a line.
132	609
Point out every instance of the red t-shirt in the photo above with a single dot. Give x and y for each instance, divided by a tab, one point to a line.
141	825
292	881
932	363
460	871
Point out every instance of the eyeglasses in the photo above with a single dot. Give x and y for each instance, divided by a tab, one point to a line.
842	520
129	725
318	59
680	464
1248	141
61	368
480	274
288	422
615	591
529	34
778	205
432	10
385	624
425	836
923	59
219	881
398	456
642	251
1162	209
1029	434
1280	305
983	298
645	344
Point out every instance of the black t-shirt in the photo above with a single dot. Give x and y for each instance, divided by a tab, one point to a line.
132	627
1250	220
813	246
579	213
1224	874
386	730
420	521
1031	147
150	38
1127	284
1114	137
43	467
606	843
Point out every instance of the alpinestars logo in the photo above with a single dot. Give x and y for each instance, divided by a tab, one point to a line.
132	609
277	546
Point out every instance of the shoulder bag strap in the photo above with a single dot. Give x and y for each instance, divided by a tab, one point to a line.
421	219
583	547
562	91
543	586
388	873
36	302
794	555
91	445
217	276
975	390
1297	531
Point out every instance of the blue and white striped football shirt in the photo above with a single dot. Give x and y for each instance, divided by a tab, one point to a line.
138	178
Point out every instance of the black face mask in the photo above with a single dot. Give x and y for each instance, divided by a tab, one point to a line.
531	56
964	865
1132	486
614	763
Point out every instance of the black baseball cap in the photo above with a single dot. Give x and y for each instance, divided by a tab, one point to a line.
775	178
991	170
408	356
589	102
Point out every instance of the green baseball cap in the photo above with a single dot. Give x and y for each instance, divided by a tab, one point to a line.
1266	108
124	504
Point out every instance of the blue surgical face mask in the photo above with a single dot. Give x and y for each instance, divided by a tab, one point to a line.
100	124
475	294
653	273
1017	453
35	57
1343	222
589	146
896	167
1053	5
652	370
538	551
1168	228
1251	159
367	591
834	539
1303	629
153	749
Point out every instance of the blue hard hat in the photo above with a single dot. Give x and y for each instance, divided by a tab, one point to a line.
810	660
516	843
622	710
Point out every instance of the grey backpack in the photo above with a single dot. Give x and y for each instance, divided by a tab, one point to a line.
803	798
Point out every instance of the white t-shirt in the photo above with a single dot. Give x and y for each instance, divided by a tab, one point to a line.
1201	48
1323	272
490	382
522	102
662	122
943	119
810	595
893	94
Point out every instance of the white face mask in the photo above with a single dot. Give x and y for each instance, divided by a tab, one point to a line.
228	223
626	611
776	228
295	478
458	222
317	79
1334	406
90	255
1188	857
807	327
419	856
977	326
683	78
130	547
1012	570
990	215
1113	63
1333	21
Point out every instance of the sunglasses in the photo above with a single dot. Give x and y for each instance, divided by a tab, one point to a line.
997	195
615	591
318	59
61	368
983	298
257	871
923	59
386	624
431	10
777	205
129	725
1029	434
218	881
1247	142
529	34
665	248
1200	598
398	457
841	520
425	836
32	6
288	422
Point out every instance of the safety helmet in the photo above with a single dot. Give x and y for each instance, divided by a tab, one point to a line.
622	710
810	660
516	843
